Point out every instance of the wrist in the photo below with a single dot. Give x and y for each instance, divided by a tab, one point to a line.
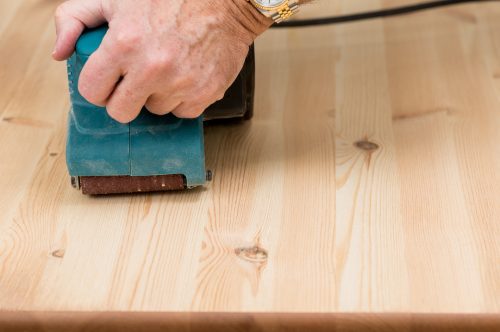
249	17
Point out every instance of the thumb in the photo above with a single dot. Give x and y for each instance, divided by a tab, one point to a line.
71	19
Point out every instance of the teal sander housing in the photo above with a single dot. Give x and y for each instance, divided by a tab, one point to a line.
152	153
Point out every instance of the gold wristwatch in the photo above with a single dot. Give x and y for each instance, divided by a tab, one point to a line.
278	10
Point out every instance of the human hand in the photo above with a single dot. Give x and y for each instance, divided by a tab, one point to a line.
176	56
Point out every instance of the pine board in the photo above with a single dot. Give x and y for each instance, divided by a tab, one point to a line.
367	185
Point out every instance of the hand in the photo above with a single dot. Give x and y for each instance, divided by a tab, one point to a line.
176	56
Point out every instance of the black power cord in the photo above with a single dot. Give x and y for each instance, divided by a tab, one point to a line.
373	14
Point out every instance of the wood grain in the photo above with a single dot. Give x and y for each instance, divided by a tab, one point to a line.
363	195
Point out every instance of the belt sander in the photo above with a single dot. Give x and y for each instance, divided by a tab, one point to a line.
152	153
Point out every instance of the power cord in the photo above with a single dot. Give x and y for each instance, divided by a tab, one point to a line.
373	14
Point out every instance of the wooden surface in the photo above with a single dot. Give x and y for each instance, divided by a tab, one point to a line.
367	183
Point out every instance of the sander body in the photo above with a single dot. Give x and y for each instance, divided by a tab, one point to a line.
151	153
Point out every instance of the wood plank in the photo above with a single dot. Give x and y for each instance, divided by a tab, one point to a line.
366	184
368	276
31	102
8	10
443	130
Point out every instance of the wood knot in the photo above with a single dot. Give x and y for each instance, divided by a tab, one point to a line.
331	113
59	253
253	254
366	145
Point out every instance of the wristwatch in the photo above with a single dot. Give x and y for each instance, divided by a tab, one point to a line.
278	10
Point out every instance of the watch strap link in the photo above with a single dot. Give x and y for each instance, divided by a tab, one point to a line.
290	8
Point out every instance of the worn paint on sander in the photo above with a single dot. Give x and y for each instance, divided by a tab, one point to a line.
152	153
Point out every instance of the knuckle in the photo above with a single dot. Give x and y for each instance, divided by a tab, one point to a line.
116	116
219	96
204	93
87	91
212	92
158	110
188	112
159	62
121	117
61	10
126	40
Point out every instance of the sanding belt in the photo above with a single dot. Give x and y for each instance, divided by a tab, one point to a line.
105	185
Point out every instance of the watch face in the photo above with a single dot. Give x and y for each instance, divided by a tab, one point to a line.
268	4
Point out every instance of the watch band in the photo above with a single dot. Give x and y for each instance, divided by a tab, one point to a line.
290	8
280	12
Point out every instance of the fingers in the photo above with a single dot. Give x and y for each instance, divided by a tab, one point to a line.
161	105
71	18
189	110
99	77
127	99
205	96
